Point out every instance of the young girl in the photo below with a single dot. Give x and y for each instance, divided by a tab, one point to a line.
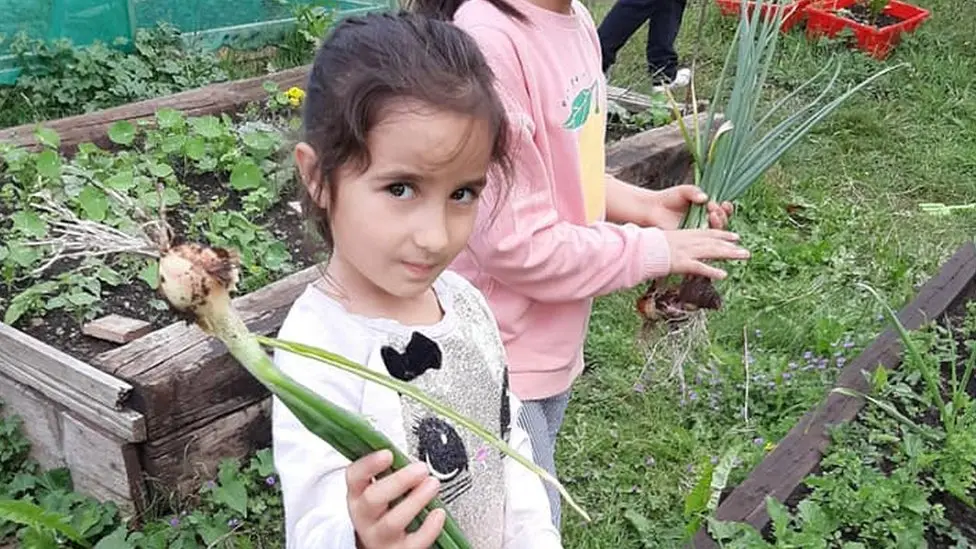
402	125
565	233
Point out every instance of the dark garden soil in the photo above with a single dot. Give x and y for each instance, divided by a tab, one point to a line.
862	14
136	299
956	511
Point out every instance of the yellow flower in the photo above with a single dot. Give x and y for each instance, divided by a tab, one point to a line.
769	447
295	96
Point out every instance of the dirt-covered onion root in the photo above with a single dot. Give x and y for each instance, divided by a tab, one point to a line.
673	302
198	280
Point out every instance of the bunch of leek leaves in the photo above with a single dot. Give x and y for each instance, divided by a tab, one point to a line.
728	161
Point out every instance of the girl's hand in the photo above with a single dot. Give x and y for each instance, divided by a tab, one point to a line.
691	248
667	207
377	525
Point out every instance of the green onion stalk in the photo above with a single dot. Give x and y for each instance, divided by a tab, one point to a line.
198	280
727	162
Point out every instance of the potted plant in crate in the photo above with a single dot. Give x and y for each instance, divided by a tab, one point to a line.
877	24
793	11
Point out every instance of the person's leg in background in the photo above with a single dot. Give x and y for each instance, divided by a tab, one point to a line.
620	23
662	31
664	21
541	420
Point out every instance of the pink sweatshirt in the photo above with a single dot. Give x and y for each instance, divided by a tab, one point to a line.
542	250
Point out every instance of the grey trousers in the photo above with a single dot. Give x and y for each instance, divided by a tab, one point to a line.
541	419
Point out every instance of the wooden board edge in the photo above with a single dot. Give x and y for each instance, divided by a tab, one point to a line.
40	360
237	92
250	306
807	437
128	425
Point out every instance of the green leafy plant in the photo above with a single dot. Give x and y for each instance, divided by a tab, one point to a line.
60	79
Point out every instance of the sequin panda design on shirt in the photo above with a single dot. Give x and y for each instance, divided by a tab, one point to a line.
458	368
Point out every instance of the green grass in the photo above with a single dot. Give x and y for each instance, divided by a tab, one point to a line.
858	179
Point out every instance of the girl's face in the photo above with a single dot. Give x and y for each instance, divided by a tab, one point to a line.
400	223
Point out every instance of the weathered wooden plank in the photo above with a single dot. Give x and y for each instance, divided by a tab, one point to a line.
190	376
632	101
25	353
116	328
99	463
185	458
655	159
799	452
40	421
127	424
63	379
215	98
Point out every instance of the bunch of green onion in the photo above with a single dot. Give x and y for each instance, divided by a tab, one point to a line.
728	161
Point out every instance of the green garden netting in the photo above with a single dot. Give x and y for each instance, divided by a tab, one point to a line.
211	23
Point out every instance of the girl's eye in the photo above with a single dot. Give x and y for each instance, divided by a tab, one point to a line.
400	190
465	195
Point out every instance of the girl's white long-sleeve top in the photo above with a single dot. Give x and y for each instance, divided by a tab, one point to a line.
497	502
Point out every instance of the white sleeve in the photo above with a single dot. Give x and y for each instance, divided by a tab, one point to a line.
528	521
312	472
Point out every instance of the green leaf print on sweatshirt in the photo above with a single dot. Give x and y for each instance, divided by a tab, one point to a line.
580	110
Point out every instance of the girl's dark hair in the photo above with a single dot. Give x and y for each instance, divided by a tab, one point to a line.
372	60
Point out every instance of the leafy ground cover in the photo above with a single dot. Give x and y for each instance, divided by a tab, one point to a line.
222	180
59	80
239	508
903	474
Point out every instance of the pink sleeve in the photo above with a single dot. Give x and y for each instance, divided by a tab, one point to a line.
519	239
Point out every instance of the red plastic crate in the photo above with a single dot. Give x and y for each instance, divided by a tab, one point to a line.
822	21
768	9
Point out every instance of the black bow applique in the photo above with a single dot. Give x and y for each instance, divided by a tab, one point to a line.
420	355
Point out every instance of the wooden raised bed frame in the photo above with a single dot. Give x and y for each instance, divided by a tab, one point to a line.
164	409
798	454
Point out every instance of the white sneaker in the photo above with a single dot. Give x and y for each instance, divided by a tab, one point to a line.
682	79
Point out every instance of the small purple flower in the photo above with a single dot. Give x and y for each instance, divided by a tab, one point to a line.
639	387
758	333
793	366
714	460
759	441
690	468
232	523
693	396
649	462
808	355
270	481
634	489
787	376
848	344
174	522
771	384
880	318
841	361
210	485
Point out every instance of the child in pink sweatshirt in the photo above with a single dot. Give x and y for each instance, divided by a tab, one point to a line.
564	232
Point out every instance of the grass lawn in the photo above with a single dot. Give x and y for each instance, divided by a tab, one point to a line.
841	208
